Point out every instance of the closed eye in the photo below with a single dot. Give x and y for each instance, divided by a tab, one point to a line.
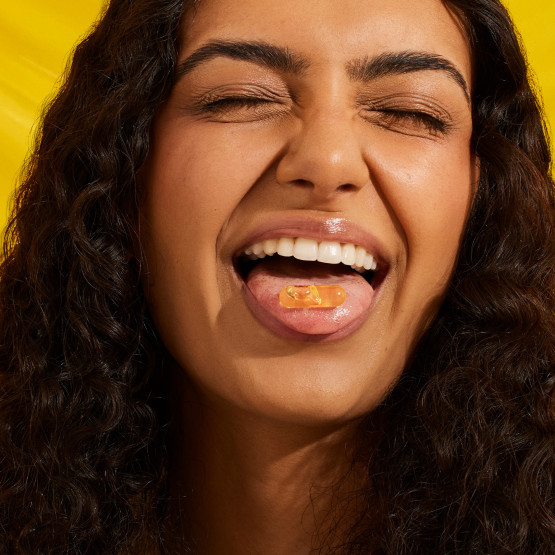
237	108
234	102
409	114
390	117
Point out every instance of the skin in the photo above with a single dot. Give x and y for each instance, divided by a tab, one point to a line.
275	414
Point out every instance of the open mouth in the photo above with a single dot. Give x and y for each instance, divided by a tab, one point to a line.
345	256
268	266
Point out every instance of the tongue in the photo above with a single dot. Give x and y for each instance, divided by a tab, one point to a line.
268	278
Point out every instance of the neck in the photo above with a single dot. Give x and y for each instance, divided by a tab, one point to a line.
244	484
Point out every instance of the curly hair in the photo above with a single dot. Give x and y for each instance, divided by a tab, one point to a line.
466	465
81	423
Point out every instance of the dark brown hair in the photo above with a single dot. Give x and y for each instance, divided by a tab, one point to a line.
466	465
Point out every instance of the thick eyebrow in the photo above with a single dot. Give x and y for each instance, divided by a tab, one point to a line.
282	59
395	63
261	53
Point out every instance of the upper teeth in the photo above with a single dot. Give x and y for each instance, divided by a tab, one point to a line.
329	252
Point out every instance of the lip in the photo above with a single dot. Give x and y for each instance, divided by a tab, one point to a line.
319	228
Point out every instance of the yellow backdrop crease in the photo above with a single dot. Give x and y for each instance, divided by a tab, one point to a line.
37	37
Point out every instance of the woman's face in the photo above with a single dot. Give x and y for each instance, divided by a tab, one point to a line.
335	122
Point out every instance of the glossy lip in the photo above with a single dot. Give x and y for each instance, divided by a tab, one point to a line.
318	228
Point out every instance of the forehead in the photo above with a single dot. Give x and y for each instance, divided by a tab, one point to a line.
325	31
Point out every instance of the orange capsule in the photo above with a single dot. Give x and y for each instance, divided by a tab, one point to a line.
312	296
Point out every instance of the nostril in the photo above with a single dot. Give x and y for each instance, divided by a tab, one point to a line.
303	183
347	188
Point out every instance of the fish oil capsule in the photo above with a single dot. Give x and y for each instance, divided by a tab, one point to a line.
312	296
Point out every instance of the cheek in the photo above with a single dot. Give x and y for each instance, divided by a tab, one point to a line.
429	193
205	169
194	178
435	222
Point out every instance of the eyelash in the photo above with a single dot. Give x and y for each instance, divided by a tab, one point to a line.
234	101
221	105
431	123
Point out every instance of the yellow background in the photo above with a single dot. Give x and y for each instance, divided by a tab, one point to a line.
36	37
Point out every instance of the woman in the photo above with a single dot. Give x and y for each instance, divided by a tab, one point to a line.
157	395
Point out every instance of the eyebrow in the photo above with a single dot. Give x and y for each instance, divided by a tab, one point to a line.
282	59
397	63
261	53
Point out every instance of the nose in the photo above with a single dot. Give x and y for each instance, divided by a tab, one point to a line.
324	155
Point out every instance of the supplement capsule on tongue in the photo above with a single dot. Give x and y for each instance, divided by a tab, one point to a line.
312	296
